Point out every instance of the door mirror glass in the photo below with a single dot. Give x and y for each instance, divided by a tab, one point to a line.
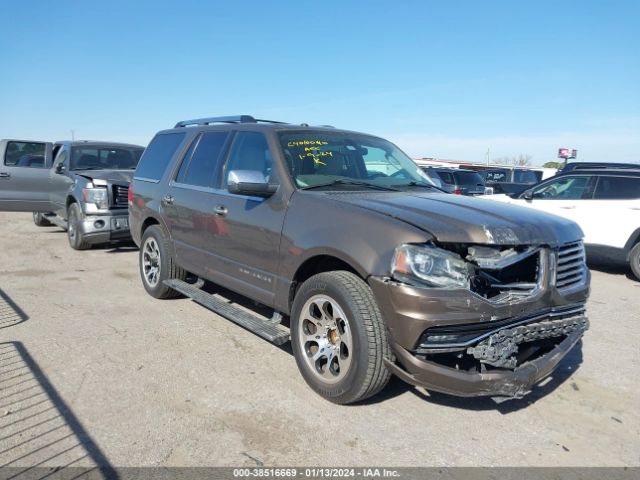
527	195
249	182
59	167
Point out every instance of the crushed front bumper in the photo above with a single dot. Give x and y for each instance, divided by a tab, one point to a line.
105	228
411	311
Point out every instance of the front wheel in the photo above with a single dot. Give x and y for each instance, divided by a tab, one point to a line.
634	260
75	236
339	337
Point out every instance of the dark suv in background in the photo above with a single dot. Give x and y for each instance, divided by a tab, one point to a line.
458	180
80	186
361	262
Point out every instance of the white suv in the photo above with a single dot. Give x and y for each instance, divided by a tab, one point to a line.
605	203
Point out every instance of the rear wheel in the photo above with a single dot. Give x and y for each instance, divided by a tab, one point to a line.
634	260
75	236
157	264
339	338
40	220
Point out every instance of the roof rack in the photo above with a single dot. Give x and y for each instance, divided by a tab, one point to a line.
231	119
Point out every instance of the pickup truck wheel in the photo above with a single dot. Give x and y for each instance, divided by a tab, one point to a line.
157	264
339	337
40	220
634	260
76	238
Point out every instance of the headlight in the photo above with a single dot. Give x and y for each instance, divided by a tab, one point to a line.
97	195
428	265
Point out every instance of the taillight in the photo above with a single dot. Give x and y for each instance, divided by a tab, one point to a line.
130	195
457	191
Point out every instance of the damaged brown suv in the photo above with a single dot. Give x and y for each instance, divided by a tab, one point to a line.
366	267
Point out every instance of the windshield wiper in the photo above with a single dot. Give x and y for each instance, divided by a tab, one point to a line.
415	183
345	181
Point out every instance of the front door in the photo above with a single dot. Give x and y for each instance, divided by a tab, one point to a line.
249	248
25	169
565	196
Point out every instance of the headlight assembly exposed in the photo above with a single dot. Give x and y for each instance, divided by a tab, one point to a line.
430	266
97	195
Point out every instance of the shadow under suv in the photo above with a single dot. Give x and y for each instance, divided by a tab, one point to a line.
379	272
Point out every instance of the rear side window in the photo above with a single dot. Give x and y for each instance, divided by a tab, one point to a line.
618	188
468	178
447	178
200	163
25	154
157	156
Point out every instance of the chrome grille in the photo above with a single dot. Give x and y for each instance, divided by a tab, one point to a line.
571	265
120	194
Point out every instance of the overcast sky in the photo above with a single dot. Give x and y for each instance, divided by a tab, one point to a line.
441	79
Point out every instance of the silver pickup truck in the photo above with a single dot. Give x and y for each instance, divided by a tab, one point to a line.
81	186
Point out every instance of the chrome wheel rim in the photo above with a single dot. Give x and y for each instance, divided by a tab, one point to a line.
325	339
151	262
71	225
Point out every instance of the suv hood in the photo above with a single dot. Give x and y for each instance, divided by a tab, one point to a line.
113	176
459	219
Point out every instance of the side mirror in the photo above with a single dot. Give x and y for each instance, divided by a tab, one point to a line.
59	168
250	182
527	195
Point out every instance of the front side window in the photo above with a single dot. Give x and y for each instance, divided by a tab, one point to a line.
249	152
25	154
567	188
201	160
157	156
316	158
618	188
104	158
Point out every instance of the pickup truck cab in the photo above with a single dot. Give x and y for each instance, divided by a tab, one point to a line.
367	268
605	202
81	186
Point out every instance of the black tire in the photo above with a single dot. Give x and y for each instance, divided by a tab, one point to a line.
76	238
40	220
155	241
634	260
366	373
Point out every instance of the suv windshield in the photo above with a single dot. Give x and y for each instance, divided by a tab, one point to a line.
319	158
104	158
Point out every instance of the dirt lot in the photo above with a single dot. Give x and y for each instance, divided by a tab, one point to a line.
93	370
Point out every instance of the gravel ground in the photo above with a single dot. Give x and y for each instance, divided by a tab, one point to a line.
93	370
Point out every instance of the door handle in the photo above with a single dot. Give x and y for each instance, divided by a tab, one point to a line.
569	207
168	200
220	210
5	175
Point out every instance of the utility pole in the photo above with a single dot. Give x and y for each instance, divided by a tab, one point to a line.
488	154
73	135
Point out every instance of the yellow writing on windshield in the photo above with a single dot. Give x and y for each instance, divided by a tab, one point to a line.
302	143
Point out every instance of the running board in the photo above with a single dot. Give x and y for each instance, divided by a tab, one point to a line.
259	325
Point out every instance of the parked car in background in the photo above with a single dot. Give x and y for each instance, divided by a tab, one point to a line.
510	180
604	202
81	186
376	270
571	166
457	180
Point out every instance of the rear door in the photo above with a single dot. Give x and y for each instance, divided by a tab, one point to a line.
25	170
